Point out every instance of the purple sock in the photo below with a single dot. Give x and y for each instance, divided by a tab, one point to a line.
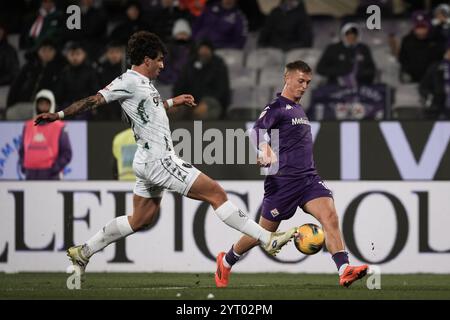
340	258
231	257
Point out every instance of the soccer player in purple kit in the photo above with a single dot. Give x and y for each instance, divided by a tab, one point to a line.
296	183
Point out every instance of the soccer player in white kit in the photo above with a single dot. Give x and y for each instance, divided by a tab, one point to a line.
155	164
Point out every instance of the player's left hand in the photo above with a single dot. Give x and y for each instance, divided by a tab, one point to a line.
184	99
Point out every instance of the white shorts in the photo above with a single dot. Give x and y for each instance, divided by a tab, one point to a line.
171	173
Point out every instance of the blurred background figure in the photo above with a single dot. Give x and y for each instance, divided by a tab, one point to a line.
9	62
43	71
133	22
195	7
179	51
93	29
223	24
47	23
253	13
435	88
206	78
112	66
288	26
78	79
349	62
162	18
419	49
441	22
123	148
45	148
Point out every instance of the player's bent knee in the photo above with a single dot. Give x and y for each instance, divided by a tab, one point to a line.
142	222
217	195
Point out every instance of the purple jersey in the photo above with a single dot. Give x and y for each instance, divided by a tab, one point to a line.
295	151
296	182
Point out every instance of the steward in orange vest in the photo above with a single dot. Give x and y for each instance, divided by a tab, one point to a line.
45	148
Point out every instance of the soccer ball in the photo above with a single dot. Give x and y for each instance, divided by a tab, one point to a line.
310	238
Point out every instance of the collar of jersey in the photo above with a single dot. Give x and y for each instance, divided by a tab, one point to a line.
139	75
286	100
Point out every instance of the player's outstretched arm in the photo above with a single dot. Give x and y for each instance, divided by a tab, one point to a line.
75	108
183	99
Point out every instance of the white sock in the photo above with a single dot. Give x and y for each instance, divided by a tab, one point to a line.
342	268
116	229
235	218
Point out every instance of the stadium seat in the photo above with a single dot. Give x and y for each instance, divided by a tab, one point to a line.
326	31
20	111
265	57
271	77
387	65
310	55
247	102
242	78
233	58
263	95
252	41
407	102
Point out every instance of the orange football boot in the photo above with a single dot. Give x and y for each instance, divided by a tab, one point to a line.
352	273
222	273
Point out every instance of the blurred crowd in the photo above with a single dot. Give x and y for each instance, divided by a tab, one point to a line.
229	54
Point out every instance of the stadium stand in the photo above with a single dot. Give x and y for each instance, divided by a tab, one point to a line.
261	68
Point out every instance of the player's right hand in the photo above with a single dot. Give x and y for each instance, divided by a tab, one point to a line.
266	156
45	118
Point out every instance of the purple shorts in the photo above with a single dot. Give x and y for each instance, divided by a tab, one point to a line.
282	196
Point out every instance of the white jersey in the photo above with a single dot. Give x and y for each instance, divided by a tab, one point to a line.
145	110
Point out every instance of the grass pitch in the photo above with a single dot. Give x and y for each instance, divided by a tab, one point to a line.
193	286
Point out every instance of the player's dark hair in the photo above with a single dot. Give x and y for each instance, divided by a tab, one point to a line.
144	44
298	65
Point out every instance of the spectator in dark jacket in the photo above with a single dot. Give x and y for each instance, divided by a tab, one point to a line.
287	27
179	52
419	50
133	23
441	22
111	68
78	79
435	88
163	17
41	72
9	63
47	23
349	62
93	29
45	149
206	78
223	24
